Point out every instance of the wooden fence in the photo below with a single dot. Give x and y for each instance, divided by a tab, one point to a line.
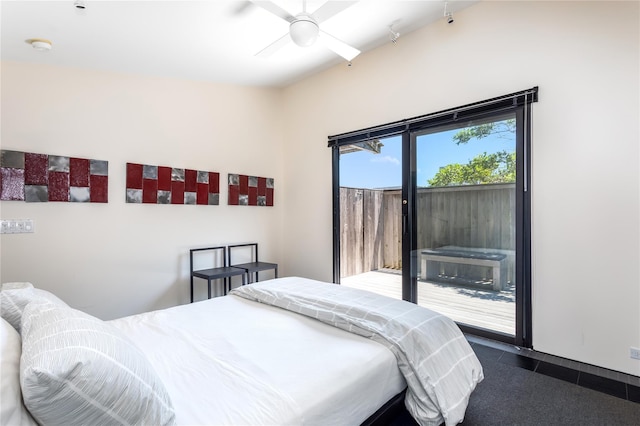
478	216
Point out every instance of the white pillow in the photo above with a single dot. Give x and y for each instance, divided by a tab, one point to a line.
77	369
15	296
12	410
16	285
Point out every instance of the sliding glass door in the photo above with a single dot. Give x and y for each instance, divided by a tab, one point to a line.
465	222
370	234
453	234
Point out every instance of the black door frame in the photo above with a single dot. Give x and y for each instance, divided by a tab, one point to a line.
518	103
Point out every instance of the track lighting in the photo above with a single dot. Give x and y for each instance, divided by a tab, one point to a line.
448	14
394	35
449	18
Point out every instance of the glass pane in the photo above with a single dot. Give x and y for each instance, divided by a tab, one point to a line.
465	203
370	216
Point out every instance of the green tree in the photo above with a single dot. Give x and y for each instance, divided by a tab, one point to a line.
498	167
502	129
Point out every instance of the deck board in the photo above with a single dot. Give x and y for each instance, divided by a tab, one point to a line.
492	310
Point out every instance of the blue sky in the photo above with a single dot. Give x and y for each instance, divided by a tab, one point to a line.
367	170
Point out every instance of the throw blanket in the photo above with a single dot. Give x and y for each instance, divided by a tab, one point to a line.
436	360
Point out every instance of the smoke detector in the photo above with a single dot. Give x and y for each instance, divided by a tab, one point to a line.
40	44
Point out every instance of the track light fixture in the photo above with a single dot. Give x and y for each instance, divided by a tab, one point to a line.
448	14
80	6
393	35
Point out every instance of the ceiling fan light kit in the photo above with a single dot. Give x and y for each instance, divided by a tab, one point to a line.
304	30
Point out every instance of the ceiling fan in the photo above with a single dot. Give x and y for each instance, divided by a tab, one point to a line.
304	28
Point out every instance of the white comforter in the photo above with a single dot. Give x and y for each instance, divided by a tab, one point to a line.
437	362
232	361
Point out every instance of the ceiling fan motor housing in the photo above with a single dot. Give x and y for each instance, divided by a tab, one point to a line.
304	30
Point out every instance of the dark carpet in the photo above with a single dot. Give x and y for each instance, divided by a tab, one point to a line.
512	395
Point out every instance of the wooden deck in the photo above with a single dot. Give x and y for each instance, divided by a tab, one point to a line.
492	310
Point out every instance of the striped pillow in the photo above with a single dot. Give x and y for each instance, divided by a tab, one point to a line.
15	296
77	369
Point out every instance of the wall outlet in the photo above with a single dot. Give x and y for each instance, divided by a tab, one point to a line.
634	352
29	226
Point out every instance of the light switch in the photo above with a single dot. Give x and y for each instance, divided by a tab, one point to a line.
17	226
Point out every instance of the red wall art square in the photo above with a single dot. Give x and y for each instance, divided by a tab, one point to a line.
250	191
169	185
31	177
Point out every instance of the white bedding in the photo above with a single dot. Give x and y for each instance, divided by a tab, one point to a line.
229	360
436	360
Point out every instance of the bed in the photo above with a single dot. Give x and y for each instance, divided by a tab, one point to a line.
287	351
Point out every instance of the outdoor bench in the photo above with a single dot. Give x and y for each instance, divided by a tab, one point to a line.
497	261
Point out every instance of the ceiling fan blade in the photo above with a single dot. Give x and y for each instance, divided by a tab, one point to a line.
240	7
275	9
331	8
338	46
274	47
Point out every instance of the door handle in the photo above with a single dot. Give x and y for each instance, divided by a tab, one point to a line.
404	218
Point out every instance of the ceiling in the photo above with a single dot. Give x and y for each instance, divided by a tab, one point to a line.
201	40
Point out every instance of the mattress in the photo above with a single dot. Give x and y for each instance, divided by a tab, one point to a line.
230	360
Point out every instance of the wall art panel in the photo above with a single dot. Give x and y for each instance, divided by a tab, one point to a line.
31	177
169	185
250	190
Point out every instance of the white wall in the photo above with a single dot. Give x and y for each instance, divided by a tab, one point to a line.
584	56
117	259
